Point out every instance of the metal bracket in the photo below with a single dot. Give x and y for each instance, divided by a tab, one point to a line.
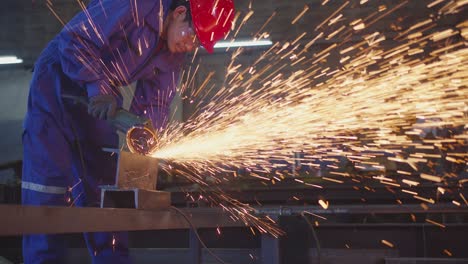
134	198
135	184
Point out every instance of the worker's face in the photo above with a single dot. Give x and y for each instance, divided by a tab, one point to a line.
180	35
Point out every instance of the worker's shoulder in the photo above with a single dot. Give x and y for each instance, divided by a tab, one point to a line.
161	3
134	5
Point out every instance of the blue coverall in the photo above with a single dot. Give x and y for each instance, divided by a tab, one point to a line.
113	43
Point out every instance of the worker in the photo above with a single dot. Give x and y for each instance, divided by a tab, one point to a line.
110	44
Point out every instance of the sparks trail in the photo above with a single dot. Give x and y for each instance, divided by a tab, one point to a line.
380	101
237	210
310	118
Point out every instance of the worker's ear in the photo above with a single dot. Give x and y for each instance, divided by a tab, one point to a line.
179	13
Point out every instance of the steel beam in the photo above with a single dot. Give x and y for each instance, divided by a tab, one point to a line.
19	220
363	209
195	248
270	250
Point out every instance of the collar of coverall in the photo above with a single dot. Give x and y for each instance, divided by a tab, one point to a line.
153	18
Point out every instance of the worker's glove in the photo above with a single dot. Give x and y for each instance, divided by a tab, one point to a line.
102	106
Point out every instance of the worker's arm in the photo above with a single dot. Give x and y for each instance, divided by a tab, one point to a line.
153	97
86	44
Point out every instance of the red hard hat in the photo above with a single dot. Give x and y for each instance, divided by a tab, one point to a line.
212	20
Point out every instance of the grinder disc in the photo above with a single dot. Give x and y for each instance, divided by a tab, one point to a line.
141	140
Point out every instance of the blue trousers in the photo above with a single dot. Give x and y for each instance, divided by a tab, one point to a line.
63	171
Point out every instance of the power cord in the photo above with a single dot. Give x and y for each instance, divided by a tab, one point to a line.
317	242
192	227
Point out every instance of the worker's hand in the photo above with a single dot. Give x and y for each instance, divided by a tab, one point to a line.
102	106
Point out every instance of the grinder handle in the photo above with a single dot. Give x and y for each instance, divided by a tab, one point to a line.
123	120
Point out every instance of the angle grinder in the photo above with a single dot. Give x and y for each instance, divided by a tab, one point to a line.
140	136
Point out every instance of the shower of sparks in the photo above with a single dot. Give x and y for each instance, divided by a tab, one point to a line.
365	113
324	204
300	15
378	103
435	223
464	199
448	253
388	244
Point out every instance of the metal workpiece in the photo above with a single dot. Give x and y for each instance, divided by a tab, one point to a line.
19	220
135	184
136	171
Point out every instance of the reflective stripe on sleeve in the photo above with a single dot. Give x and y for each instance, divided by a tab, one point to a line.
43	188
